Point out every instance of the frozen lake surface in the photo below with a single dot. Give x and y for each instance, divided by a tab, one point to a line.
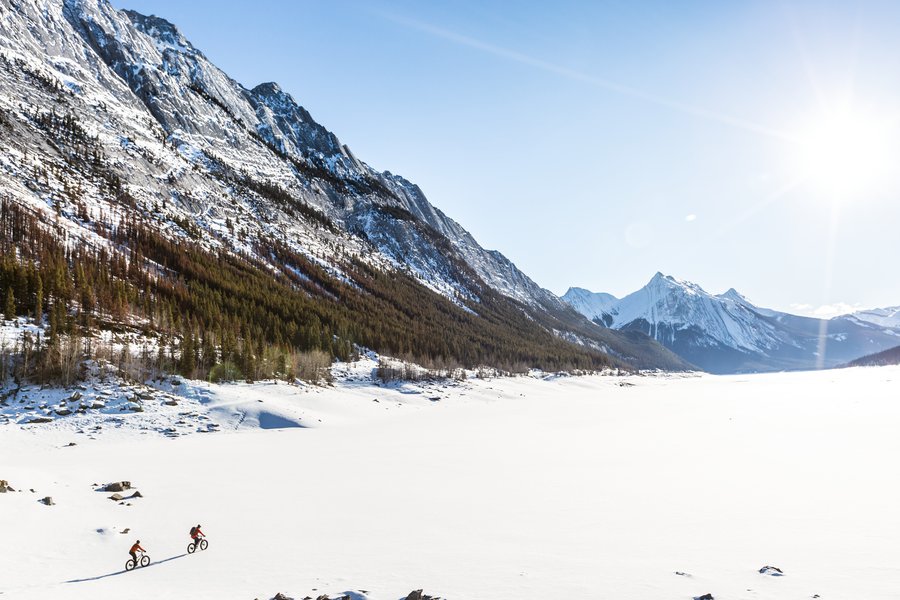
522	488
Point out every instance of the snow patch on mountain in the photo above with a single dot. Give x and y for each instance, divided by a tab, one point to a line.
882	317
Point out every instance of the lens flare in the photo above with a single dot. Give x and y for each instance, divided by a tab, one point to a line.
845	152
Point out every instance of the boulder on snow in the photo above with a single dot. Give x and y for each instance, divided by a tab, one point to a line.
63	411
117	497
704	597
280	596
418	595
773	571
4	486
47	500
117	486
35	420
136	494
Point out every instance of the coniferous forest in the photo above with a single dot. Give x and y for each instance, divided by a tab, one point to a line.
228	316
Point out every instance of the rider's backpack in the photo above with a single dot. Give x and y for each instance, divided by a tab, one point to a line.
193	531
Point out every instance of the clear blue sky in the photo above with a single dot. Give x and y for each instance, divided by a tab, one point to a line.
595	143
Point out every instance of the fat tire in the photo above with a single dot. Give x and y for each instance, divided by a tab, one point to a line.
191	548
203	544
145	560
129	564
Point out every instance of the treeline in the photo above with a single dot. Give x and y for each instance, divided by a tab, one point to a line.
205	309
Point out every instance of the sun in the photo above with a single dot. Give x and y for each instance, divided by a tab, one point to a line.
844	152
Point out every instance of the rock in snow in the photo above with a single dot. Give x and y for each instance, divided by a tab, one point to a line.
773	571
117	486
418	595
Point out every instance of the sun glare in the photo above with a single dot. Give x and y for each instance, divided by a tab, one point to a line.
844	153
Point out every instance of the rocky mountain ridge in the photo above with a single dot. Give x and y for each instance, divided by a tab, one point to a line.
727	333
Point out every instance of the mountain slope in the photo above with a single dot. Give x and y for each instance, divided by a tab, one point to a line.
891	356
726	332
121	142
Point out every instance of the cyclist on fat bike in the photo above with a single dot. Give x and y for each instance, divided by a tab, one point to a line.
134	550
196	534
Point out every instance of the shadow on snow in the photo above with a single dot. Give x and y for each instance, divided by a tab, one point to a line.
152	564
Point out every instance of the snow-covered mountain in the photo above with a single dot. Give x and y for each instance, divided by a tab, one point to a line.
172	119
728	333
594	305
883	317
112	118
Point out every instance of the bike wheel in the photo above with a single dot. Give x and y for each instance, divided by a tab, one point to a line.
129	565
203	544
145	560
191	548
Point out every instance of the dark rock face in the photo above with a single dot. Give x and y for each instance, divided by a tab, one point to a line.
117	486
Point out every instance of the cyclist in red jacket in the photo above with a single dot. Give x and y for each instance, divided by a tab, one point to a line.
134	550
196	534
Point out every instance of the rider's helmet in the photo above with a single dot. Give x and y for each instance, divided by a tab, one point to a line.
198	525
138	542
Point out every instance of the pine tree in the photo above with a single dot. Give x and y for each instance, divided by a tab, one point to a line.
208	355
10	310
39	300
187	362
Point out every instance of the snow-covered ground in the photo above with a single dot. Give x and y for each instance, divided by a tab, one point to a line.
521	488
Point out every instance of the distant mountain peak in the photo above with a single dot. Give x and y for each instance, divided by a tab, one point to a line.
733	294
661	283
726	332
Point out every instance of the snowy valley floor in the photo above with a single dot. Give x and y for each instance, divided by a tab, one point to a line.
523	488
